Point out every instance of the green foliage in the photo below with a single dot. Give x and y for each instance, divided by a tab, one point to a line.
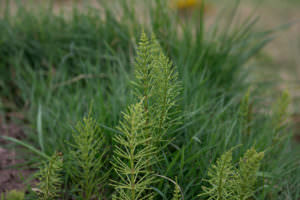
133	156
114	196
87	158
247	174
144	82
177	192
50	179
156	89
166	91
14	195
228	182
91	58
280	111
156	83
221	179
246	113
143	70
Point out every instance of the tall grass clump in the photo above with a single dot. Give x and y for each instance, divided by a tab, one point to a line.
180	92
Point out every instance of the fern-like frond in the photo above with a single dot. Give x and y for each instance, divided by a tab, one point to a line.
87	158
156	88
50	180
228	182
157	84
133	156
280	112
167	88
177	192
142	71
245	113
114	196
221	179
248	167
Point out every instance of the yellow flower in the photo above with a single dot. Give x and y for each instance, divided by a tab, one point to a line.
184	4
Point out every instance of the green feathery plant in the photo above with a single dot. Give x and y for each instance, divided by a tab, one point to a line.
177	192
50	179
228	182
133	156
114	196
247	173
87	158
13	195
280	113
156	88
166	91
156	82
143	71
245	113
92	61
220	177
143	84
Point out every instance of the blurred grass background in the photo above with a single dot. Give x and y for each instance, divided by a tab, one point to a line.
279	62
280	59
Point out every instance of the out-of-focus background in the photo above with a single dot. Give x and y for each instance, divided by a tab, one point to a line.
279	61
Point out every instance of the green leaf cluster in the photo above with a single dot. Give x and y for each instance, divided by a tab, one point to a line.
146	122
177	192
133	156
13	195
280	112
245	113
156	84
229	182
50	179
221	176
247	173
86	158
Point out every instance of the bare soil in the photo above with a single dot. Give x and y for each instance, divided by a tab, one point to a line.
10	177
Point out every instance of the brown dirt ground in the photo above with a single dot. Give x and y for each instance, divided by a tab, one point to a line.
11	178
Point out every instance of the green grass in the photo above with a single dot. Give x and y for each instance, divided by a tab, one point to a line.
54	67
